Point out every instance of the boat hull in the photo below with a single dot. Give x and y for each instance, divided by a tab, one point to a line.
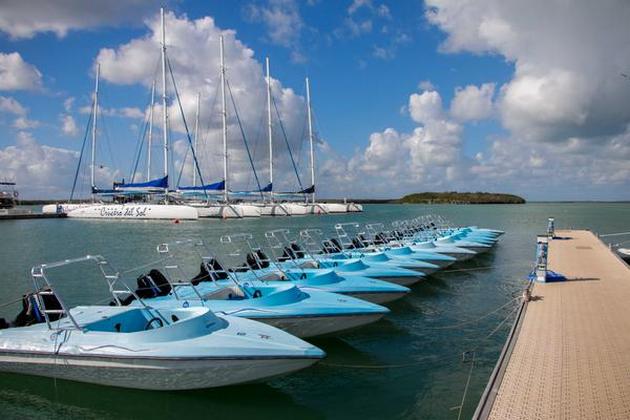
335	207
233	211
160	374
402	281
134	212
62	208
312	326
379	297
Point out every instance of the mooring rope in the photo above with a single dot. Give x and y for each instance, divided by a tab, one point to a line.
471	321
488	267
615	234
470	371
147	265
12	302
432	361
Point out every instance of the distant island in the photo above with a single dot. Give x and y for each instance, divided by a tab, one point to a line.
453	197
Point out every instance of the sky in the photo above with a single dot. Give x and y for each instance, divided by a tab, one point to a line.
530	98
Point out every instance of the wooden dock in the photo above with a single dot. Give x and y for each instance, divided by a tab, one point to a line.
28	216
568	355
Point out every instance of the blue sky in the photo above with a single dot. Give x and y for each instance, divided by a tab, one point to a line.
384	74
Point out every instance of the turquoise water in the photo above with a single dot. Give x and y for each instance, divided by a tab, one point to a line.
408	365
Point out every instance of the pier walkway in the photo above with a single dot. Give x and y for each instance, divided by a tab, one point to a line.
569	354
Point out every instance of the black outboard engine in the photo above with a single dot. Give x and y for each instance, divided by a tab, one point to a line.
217	273
257	260
356	243
380	239
336	244
328	247
299	253
287	254
153	284
31	312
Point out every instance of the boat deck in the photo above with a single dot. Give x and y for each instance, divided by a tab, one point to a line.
569	356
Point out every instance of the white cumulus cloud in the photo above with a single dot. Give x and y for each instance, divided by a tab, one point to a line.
68	125
12	106
17	74
473	102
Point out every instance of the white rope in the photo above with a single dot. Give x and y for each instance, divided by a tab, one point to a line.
149	264
615	234
461	406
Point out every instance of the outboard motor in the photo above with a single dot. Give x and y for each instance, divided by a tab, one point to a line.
218	273
31	312
328	247
335	242
287	254
380	239
299	253
153	284
257	260
356	243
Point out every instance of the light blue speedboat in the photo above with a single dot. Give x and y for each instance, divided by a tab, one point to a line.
170	348
272	271
422	238
380	238
280	304
311	251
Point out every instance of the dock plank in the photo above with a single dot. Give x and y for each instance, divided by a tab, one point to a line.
571	358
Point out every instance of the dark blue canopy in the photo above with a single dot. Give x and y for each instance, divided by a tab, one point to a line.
154	183
217	186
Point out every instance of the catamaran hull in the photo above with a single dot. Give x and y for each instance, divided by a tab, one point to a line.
311	326
152	373
274	210
135	212
233	211
296	209
355	208
317	208
62	208
335	207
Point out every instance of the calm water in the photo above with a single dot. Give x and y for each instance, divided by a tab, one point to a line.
408	365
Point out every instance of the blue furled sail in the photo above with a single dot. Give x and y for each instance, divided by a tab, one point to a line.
267	188
217	186
160	183
309	190
154	185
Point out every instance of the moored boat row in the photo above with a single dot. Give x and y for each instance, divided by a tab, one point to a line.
209	314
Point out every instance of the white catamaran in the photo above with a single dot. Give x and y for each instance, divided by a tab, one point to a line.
134	209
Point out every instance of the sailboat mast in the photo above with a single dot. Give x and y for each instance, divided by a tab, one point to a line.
196	143
224	122
150	139
269	128
310	137
94	129
164	108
